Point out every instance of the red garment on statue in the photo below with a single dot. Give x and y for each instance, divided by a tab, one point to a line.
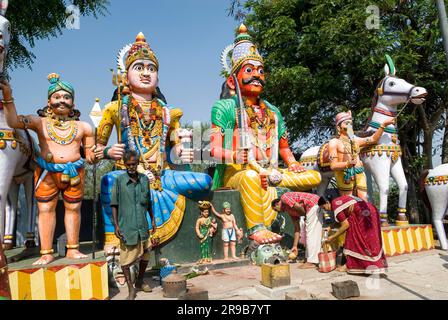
363	246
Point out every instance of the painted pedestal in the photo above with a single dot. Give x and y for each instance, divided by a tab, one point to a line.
60	280
399	240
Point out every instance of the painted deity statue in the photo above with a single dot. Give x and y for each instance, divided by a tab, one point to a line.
147	125
344	155
252	169
60	165
205	229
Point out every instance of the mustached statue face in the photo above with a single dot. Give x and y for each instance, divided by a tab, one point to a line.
251	79
345	125
61	102
143	77
227	211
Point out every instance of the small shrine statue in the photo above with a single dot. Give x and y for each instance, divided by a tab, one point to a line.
206	227
248	138
344	155
60	165
230	231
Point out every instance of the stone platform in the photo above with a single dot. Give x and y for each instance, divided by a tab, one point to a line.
63	279
399	240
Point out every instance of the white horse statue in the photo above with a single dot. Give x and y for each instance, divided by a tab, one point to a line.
16	147
383	159
436	189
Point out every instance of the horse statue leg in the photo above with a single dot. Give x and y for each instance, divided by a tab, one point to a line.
379	168
31	211
397	173
10	216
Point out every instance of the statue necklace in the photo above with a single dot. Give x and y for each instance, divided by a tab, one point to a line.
61	124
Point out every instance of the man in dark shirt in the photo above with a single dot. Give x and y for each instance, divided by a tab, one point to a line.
131	199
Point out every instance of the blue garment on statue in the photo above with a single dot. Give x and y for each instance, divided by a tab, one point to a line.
192	185
69	168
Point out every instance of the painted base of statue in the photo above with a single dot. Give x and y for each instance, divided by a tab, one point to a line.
168	203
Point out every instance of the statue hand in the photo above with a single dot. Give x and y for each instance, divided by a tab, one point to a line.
264	174
6	89
186	155
116	152
296	167
98	152
389	121
150	176
242	156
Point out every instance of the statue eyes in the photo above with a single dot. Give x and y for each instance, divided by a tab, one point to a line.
261	71
248	70
391	84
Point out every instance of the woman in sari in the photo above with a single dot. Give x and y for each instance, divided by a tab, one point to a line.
363	246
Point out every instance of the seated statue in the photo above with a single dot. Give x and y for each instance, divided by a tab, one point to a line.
147	125
247	140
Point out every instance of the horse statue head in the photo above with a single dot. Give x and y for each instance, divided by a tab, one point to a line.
392	91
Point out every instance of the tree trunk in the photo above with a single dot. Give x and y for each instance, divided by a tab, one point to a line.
445	139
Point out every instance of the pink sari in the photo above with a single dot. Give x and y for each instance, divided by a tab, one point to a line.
363	246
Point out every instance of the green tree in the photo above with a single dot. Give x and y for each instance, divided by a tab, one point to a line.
321	58
33	20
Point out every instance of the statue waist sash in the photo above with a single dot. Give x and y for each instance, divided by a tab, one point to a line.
69	170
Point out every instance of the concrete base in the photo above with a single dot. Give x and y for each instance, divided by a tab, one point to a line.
276	293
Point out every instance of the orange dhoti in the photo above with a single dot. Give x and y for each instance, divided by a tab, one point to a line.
52	184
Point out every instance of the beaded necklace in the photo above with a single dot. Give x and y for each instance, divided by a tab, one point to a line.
64	126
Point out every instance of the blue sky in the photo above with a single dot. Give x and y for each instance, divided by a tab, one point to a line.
187	36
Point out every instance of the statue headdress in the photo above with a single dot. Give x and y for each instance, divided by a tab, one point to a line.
343	116
226	205
56	84
241	50
139	50
203	205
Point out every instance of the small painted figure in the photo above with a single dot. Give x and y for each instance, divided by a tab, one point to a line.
205	228
230	230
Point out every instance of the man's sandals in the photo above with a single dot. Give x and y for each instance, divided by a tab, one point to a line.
143	287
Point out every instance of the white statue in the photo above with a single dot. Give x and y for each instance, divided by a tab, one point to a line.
15	159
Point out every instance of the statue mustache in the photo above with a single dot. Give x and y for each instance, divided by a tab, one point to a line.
58	104
247	81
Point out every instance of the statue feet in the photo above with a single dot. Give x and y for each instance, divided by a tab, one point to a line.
265	236
44	259
8	246
75	254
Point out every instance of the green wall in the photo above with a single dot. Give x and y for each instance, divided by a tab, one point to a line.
184	246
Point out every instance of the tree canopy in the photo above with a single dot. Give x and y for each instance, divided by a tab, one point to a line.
321	59
33	20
